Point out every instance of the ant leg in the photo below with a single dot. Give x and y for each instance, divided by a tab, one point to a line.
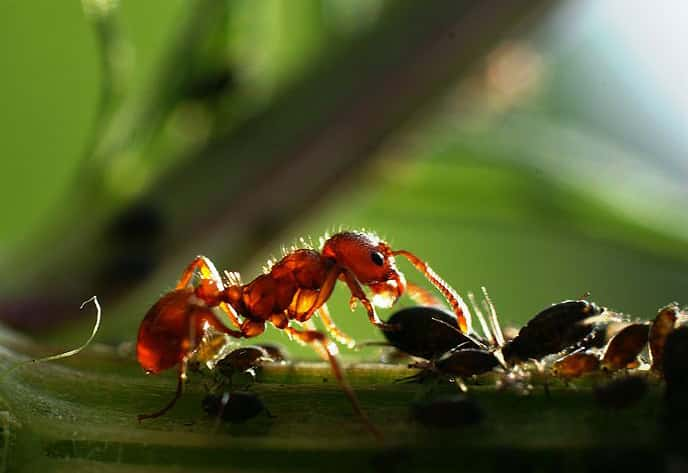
357	292
422	296
333	330
205	267
178	393
319	349
208	271
324	293
457	304
252	328
315	338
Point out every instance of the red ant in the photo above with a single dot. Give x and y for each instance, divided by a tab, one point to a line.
293	289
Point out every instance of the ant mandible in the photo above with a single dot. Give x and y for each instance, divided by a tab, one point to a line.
294	288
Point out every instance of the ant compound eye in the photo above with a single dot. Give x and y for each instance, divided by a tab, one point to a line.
377	258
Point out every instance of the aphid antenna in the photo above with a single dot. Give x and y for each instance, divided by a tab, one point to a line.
577	350
474	340
494	320
454	350
481	319
417	377
68	353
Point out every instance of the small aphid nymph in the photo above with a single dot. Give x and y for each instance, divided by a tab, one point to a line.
234	407
623	349
661	327
576	365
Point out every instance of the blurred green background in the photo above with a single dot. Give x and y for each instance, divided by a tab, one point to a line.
545	162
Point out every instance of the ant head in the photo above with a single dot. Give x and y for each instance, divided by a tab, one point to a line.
371	261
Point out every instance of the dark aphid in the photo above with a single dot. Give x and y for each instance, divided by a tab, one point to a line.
675	366
554	329
660	329
621	393
447	411
466	362
625	347
426	332
598	337
235	407
576	365
242	360
277	353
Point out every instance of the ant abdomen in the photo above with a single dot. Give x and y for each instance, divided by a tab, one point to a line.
170	328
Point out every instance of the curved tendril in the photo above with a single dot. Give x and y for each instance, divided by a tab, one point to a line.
65	354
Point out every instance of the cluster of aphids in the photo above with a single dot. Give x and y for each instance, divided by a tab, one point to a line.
567	340
227	402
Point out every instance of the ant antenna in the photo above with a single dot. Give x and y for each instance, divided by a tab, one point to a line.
65	354
459	307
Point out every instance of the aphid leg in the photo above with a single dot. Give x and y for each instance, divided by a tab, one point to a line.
178	393
315	338
357	292
455	301
221	411
461	385
333	330
207	271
